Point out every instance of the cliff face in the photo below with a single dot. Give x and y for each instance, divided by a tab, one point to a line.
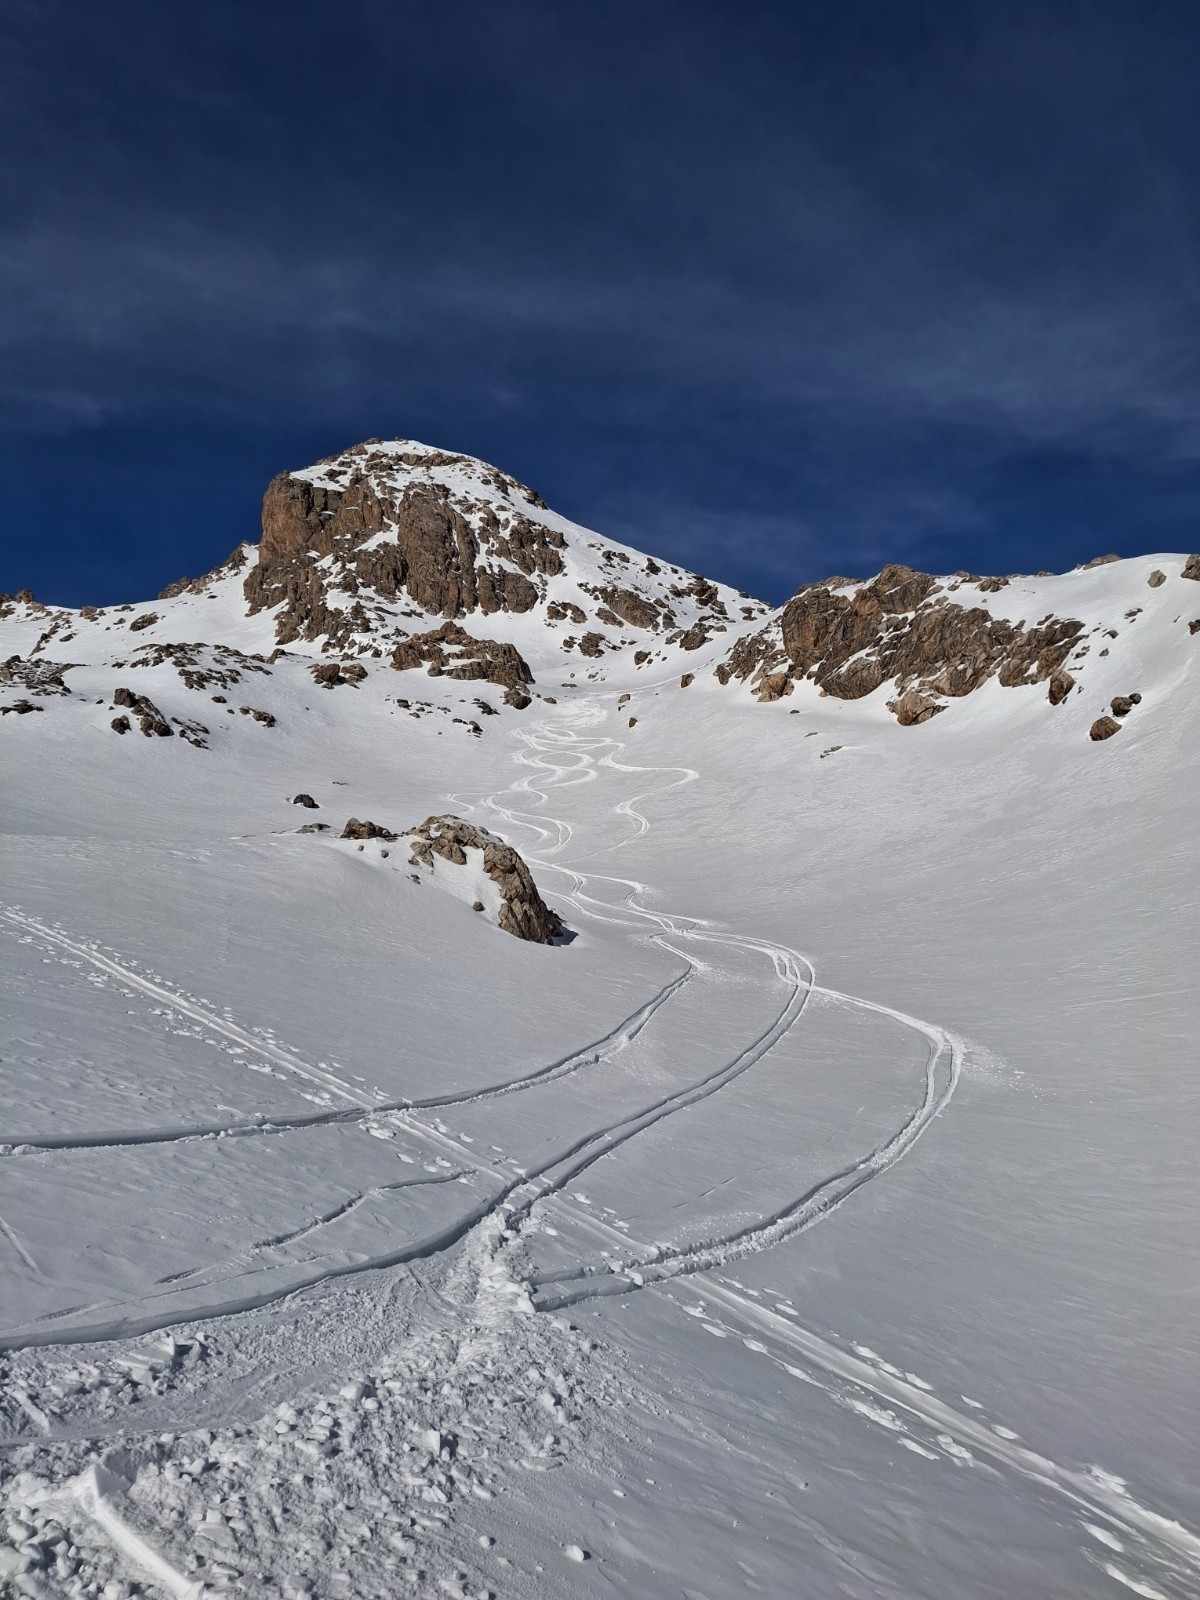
387	532
901	628
390	535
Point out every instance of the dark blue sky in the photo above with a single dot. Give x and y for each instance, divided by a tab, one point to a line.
772	289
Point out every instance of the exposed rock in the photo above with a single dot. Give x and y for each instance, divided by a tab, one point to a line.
1156	579
313	827
687	680
633	722
21	707
523	912
355	829
202	666
565	611
39	677
1103	728
450	651
265	717
147	621
1191	568
305	800
150	718
234	562
592	644
696	636
628	606
913	707
120	724
774	685
1123	704
1194	625
1061	684
1098	561
449	554
898	627
331	674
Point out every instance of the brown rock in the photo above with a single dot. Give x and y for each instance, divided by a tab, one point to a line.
355	829
1191	568
1123	704
687	680
1156	579
1099	561
523	912
150	718
696	636
450	651
913	708
331	674
1103	728
120	724
305	800
898	627
1061	684
147	621
633	722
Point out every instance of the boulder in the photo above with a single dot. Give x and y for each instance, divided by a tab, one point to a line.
523	912
355	829
1103	728
1156	579
913	708
1061	684
305	800
1191	568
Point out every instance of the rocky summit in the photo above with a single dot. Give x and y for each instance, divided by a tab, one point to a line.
435	563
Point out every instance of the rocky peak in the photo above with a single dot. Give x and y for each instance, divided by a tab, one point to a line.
378	541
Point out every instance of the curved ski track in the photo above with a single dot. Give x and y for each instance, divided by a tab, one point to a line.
563	760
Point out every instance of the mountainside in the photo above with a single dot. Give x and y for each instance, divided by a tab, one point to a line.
802	1202
397	553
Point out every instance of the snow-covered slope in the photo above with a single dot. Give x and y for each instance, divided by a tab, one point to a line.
817	1217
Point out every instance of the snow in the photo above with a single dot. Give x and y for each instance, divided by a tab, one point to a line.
351	1245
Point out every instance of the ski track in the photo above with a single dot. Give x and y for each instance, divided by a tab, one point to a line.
616	1039
1171	1550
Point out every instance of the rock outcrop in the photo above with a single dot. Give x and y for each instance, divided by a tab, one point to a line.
391	534
523	912
355	829
901	627
150	718
451	652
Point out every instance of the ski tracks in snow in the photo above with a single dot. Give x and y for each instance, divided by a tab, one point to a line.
557	759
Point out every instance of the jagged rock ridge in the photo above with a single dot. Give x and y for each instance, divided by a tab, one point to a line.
902	627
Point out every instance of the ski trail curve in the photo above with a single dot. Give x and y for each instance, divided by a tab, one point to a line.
617	1039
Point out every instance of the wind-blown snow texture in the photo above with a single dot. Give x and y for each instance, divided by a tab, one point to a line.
819	1217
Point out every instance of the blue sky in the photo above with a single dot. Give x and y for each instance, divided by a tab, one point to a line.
772	290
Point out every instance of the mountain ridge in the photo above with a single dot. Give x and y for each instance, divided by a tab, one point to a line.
398	551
